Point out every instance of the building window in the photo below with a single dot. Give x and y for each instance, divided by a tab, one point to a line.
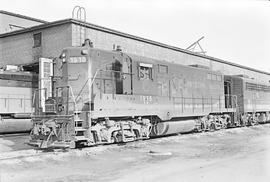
37	39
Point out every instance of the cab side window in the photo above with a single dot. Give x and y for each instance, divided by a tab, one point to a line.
145	71
163	69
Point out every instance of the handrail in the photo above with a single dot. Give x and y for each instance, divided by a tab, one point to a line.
95	75
72	94
86	83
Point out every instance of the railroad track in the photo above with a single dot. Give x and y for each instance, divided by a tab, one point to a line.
26	151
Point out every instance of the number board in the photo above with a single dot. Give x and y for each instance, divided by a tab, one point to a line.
76	60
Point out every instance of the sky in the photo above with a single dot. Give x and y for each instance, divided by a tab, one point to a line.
235	30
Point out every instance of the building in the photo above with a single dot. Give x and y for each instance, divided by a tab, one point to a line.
48	39
11	21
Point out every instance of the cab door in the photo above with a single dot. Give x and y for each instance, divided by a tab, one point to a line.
45	81
127	75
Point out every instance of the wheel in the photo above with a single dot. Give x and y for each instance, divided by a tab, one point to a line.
212	127
202	129
113	140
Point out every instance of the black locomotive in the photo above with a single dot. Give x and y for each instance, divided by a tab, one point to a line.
96	96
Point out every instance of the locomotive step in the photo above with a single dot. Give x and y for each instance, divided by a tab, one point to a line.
80	129
79	138
77	112
78	120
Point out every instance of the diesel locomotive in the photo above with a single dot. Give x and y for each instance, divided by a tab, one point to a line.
16	92
95	96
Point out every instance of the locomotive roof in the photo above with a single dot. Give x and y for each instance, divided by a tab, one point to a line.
250	80
165	62
144	59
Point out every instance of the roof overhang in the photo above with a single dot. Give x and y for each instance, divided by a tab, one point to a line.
22	16
119	33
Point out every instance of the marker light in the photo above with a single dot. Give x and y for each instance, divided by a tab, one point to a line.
84	52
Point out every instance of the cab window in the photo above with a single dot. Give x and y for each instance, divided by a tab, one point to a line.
163	69
145	71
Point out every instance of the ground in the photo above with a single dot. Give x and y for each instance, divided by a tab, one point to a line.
239	155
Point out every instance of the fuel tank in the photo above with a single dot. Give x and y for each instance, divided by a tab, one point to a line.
15	125
173	127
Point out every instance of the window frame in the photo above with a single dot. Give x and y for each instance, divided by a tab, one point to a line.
37	39
165	67
145	66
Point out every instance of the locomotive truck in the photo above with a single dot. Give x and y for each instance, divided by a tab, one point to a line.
95	96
